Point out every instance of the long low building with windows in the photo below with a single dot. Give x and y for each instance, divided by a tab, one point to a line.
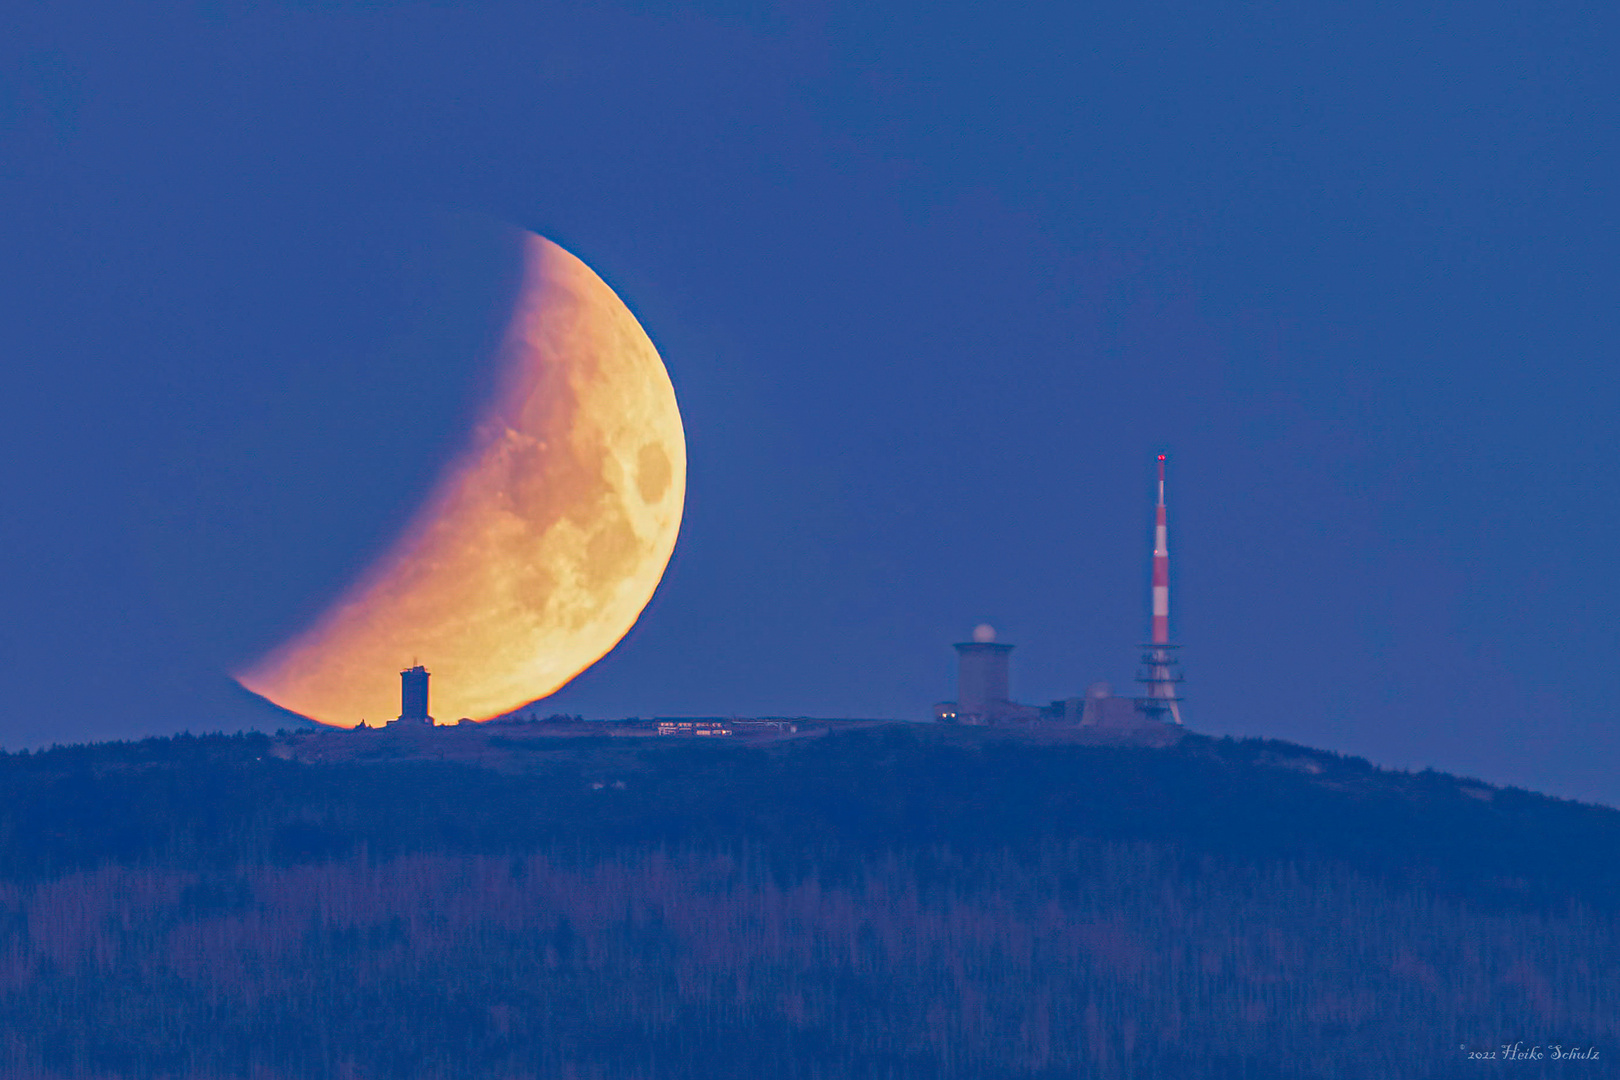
694	727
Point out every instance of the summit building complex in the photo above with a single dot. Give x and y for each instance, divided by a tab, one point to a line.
983	694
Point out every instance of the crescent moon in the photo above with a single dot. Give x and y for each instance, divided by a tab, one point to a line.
540	543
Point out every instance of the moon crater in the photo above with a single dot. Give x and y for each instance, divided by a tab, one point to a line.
652	472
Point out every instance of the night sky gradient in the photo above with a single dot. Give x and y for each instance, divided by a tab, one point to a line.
934	282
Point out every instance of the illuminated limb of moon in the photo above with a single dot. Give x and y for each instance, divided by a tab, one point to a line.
541	542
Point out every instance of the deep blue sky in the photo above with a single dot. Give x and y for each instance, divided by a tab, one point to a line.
934	284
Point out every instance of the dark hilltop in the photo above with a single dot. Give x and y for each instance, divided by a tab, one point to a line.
842	900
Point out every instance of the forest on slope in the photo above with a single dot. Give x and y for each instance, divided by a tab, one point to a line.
884	903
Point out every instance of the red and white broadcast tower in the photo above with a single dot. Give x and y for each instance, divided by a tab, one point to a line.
1161	669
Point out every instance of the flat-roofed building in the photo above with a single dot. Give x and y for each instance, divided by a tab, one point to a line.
695	728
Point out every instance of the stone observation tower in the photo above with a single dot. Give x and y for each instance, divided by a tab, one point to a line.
413	696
